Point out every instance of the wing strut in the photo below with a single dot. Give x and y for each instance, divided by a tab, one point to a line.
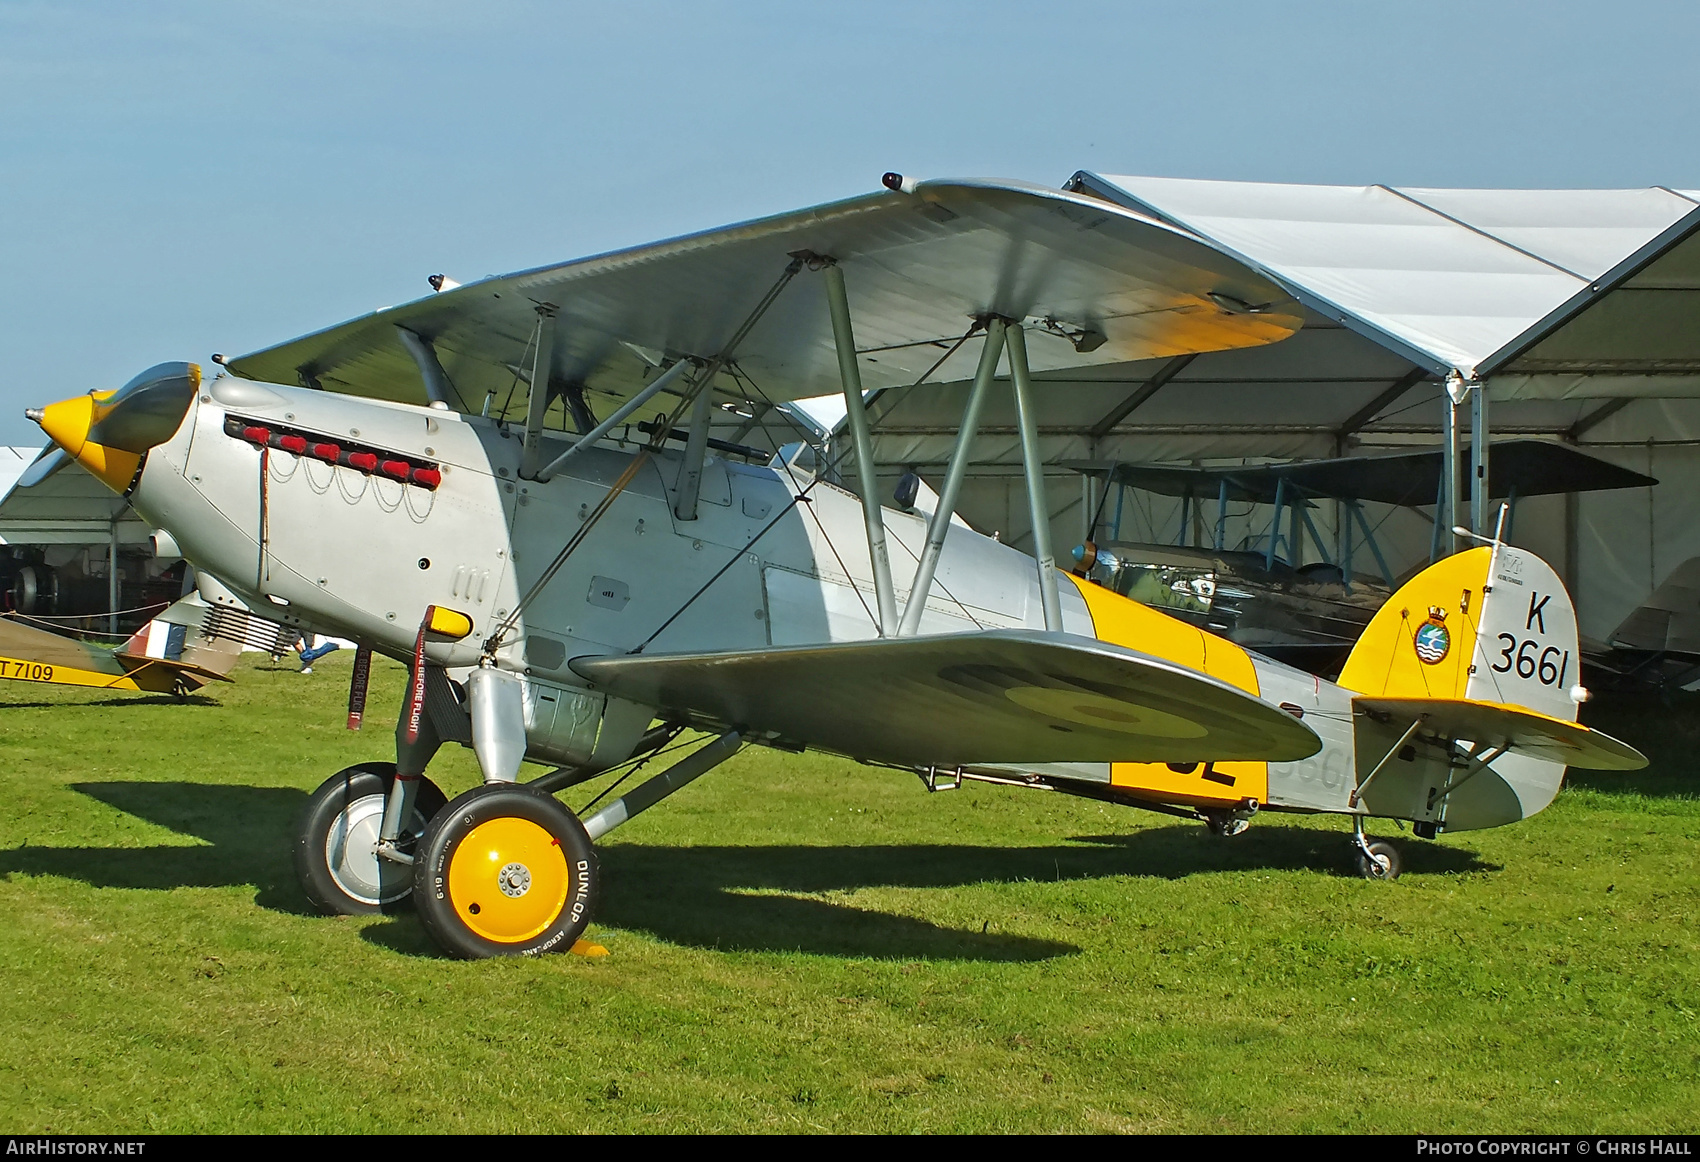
940	524
856	414
696	446
651	792
1038	508
660	384
537	400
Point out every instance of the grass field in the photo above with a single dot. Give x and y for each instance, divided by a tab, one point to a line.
798	944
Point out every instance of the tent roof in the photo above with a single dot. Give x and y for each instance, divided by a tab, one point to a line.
70	507
1449	278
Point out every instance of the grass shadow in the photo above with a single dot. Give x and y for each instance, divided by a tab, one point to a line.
248	834
134	700
1177	852
745	898
768	898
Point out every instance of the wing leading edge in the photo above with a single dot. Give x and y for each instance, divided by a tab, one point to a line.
998	697
919	267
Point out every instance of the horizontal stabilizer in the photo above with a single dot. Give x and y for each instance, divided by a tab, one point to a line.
1002	696
1521	731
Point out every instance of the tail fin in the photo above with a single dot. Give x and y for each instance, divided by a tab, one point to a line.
1452	631
1492	626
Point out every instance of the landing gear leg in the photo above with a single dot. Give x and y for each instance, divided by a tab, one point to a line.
507	870
411	758
355	850
1376	861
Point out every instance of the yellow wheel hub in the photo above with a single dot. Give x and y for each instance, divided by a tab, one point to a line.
508	880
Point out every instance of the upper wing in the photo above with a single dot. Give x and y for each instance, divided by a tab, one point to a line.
1003	697
919	267
1522	731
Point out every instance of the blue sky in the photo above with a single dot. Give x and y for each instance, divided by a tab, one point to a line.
178	178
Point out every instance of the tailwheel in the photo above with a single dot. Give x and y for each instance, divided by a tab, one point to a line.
1226	823
505	871
336	852
1379	861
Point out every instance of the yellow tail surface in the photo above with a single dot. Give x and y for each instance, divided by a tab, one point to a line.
1464	650
1452	631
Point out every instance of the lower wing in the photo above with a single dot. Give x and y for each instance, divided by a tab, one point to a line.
1002	696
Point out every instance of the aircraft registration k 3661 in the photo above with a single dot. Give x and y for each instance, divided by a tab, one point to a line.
576	600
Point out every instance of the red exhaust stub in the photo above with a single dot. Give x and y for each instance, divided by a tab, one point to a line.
396	465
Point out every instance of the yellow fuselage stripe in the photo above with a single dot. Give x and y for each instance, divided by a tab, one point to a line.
1125	622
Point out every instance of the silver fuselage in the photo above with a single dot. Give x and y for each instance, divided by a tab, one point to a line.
358	555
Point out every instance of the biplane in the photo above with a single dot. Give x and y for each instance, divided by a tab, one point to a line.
1287	591
171	654
433	481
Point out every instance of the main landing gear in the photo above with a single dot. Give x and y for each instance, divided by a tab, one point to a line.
336	854
503	870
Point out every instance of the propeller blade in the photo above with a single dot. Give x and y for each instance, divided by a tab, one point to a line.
147	410
51	460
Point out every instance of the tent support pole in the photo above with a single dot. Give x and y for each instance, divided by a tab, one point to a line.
112	580
1345	511
1015	340
1221	512
861	439
940	524
1446	518
1479	459
1275	524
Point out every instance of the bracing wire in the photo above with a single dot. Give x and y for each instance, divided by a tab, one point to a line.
739	375
802	497
507	624
635	765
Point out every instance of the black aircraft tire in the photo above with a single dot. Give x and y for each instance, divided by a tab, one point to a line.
505	871
344	878
1376	869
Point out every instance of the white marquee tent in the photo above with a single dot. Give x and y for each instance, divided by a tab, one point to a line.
1577	312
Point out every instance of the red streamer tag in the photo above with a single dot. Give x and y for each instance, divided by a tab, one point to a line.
416	688
357	684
